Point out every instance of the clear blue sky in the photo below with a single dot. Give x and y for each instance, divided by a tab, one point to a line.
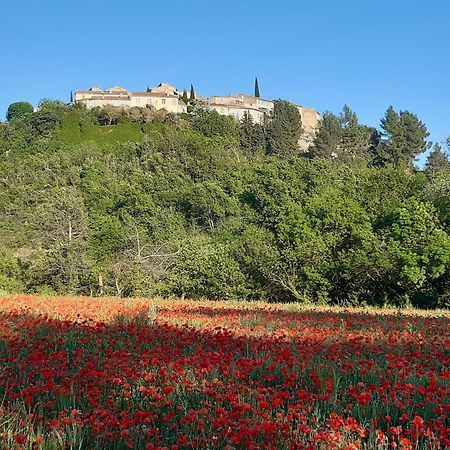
321	54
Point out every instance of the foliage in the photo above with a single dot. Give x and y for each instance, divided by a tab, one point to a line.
404	137
342	138
257	94
18	110
212	124
284	130
251	137
205	269
138	202
437	162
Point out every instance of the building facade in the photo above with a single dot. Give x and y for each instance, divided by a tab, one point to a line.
167	97
162	96
258	108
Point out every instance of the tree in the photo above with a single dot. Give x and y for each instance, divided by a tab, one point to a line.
211	123
18	110
417	247
328	138
257	88
404	138
437	162
342	137
251	136
205	269
185	97
61	225
9	272
357	140
284	130
192	94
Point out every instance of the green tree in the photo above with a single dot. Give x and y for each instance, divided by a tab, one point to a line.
342	137
284	130
192	94
18	110
358	140
10	272
211	124
437	162
251	136
257	94
418	247
185	97
404	137
205	269
60	223
328	140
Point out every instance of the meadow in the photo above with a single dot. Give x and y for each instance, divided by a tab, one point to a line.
97	373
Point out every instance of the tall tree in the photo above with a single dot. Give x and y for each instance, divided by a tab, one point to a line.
251	136
284	130
257	88
328	138
185	97
357	140
404	138
192	94
342	137
437	162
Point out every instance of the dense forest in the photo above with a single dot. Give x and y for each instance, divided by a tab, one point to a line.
141	203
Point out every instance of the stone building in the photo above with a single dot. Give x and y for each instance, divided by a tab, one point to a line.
162	96
165	96
239	105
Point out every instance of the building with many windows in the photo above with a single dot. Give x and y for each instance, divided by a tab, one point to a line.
239	105
165	96
162	96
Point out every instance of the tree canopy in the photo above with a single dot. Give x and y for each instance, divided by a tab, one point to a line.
18	110
284	130
141	202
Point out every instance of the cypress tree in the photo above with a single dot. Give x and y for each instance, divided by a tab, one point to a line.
71	96
192	94
184	97
257	88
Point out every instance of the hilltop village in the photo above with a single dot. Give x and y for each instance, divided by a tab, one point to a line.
165	96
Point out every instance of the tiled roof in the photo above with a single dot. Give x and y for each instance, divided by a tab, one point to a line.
153	94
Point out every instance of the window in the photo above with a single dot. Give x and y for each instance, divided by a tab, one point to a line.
163	101
138	101
149	101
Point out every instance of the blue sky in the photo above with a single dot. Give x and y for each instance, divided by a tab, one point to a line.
321	54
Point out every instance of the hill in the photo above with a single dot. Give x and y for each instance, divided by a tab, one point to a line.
138	202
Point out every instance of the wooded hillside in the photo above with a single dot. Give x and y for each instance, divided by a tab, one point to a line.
140	203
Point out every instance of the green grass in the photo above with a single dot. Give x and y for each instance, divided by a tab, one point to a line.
74	132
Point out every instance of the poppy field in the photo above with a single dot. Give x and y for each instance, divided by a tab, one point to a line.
96	373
